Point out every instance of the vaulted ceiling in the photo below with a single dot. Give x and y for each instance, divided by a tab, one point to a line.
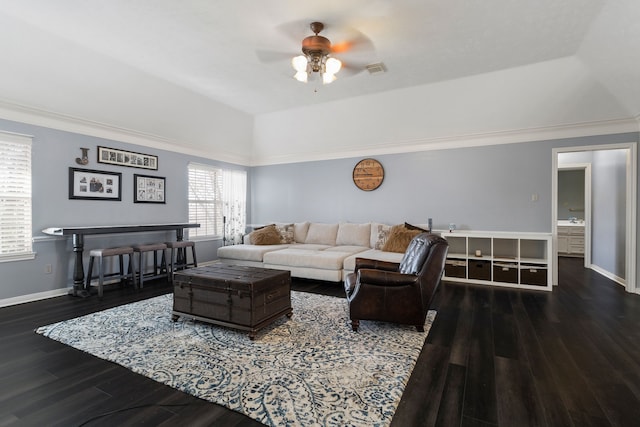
138	65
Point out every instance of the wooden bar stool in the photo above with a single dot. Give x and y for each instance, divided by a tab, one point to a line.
179	261
159	268
101	254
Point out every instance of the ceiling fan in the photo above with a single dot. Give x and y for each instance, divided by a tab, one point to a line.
316	57
320	57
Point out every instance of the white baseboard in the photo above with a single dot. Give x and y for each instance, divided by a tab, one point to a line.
48	294
33	297
609	275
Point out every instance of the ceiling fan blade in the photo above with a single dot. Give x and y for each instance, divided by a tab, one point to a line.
295	30
355	52
355	41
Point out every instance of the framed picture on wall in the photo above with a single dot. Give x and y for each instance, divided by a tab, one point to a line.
148	189
94	185
113	156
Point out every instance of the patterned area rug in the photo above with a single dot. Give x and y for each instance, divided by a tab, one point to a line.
310	370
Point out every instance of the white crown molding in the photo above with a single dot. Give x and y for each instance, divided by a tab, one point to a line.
67	123
39	117
604	127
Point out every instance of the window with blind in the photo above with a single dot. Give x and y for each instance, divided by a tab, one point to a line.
217	201
15	197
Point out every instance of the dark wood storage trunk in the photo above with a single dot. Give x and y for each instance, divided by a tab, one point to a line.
247	298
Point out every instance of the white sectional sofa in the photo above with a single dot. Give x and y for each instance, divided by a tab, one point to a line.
314	250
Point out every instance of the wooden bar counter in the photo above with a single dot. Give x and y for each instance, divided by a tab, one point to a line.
78	233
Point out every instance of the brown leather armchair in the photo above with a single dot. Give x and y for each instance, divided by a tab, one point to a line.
397	292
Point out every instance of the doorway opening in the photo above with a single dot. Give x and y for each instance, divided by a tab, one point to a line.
611	217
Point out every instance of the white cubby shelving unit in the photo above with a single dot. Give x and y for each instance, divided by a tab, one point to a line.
517	260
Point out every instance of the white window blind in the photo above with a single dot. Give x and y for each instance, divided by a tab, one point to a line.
205	203
216	195
15	197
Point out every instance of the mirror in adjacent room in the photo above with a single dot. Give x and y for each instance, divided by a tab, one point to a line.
571	195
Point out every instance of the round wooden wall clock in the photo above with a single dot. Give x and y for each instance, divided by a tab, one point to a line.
368	174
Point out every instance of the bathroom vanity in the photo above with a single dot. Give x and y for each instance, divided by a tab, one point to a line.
571	238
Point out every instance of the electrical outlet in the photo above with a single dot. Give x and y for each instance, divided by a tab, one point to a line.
48	269
534	197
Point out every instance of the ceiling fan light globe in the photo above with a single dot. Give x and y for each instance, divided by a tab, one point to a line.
333	65
299	63
301	76
328	78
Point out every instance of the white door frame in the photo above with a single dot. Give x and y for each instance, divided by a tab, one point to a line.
631	204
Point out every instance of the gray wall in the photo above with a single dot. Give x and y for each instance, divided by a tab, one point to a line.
483	188
609	188
53	152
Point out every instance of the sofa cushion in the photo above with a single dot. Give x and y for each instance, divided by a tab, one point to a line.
323	234
268	235
399	239
348	249
353	234
350	261
247	252
293	257
300	230
309	273
310	246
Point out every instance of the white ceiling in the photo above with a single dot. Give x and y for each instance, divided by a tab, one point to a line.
81	58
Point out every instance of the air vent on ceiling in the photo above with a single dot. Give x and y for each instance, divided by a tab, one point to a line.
376	68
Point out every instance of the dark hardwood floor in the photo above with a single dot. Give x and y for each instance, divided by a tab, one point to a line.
494	357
